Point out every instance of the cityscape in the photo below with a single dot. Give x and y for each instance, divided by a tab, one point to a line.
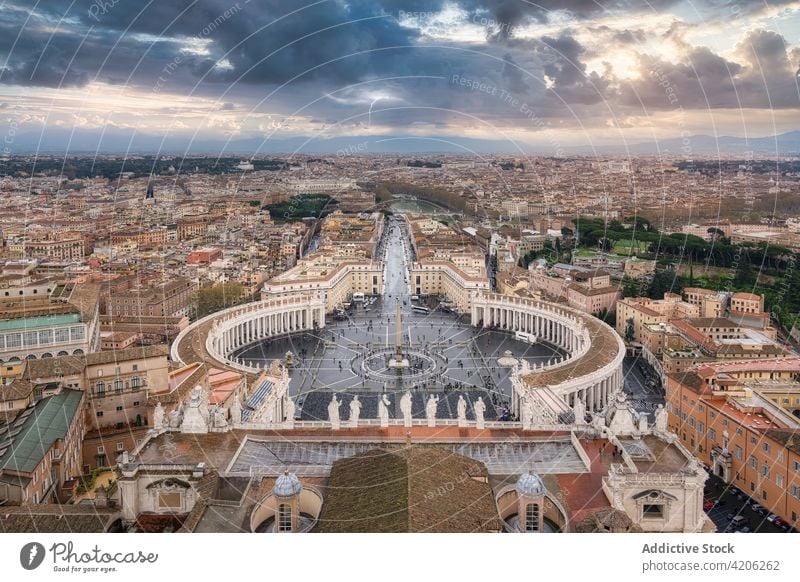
407	293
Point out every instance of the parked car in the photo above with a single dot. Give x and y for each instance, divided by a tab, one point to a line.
744	529
738	521
772	517
758	509
708	505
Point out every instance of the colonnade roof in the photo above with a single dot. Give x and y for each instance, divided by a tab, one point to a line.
605	348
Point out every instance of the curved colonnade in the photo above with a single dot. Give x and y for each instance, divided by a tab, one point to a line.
217	336
591	371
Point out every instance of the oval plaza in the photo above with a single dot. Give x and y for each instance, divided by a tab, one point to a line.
519	398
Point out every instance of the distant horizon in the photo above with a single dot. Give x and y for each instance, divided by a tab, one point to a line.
366	145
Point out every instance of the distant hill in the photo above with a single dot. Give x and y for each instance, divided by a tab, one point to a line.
57	141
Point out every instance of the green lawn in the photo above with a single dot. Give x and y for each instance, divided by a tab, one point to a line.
624	247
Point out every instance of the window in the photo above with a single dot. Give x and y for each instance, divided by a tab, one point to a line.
101	450
738	452
779	480
766	447
765	471
99	414
135	383
764	495
796	491
120	446
752	440
119	409
701	427
797	466
712	434
532	517
136	403
284	517
653	511
100	388
753	463
117	385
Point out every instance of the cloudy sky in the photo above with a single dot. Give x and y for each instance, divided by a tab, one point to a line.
550	72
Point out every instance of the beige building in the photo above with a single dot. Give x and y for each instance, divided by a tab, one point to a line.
65	322
40	453
640	311
323	275
449	281
170	299
710	303
116	383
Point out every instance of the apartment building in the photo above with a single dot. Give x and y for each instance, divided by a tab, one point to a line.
41	451
169	299
65	322
720	412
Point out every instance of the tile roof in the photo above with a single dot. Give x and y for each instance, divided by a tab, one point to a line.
55	519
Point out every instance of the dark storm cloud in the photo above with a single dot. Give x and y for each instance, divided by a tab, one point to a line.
513	76
763	76
325	48
357	33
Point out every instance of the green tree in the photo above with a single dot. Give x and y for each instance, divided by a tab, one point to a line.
744	270
214	297
629	334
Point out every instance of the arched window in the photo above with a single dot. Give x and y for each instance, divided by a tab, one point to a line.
117	385
284	517
100	388
135	383
532	517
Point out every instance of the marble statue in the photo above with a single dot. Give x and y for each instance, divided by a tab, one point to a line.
158	416
642	422
461	411
196	413
580	411
661	419
236	411
333	412
405	408
219	420
430	410
525	413
291	409
204	406
355	411
480	409
383	410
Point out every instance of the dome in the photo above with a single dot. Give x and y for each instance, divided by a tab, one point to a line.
287	485
530	484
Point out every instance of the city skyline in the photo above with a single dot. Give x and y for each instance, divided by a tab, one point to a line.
535	78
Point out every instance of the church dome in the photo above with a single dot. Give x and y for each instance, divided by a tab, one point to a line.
287	485
530	484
